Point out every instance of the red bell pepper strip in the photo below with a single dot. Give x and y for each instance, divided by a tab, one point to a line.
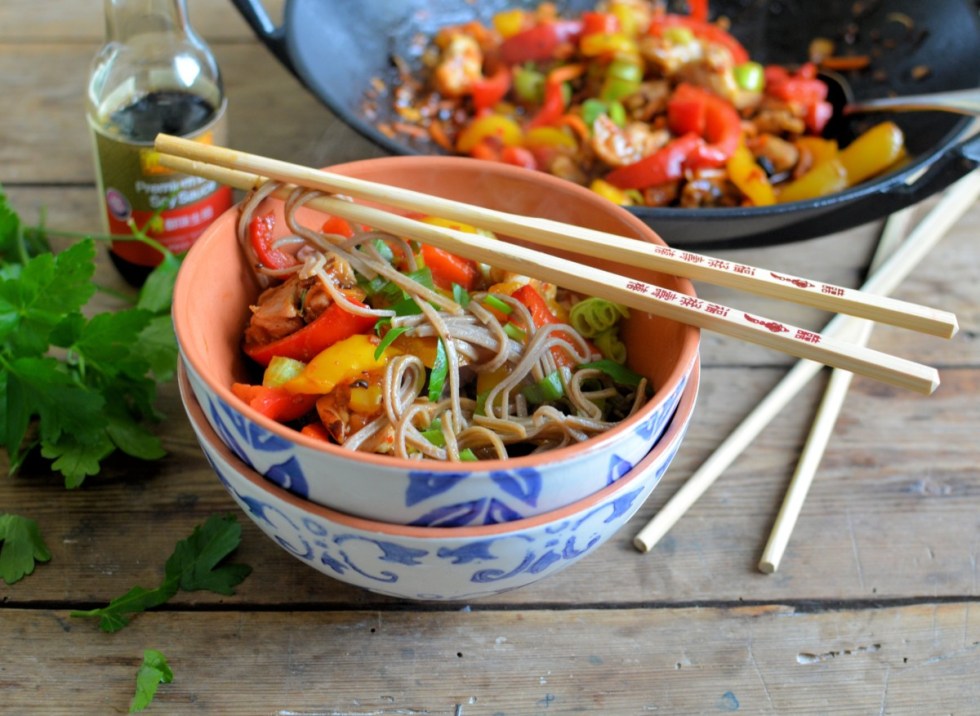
519	157
333	325
702	30
698	10
593	22
539	43
694	110
336	225
553	108
448	268
488	91
261	234
542	315
664	165
804	88
275	403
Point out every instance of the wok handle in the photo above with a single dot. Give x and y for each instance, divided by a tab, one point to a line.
955	163
265	29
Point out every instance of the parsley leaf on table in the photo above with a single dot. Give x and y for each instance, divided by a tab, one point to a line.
152	672
79	387
196	563
21	546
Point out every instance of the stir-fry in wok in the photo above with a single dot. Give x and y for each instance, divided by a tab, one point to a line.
380	344
645	107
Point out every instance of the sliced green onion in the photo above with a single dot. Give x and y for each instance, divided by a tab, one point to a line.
461	295
617	113
592	109
388	339
679	35
438	374
491	301
547	390
592	316
467	455
281	370
619	373
434	434
750	76
518	334
528	84
610	346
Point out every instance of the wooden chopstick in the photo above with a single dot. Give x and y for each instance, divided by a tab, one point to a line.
886	279
614	287
557	235
825	419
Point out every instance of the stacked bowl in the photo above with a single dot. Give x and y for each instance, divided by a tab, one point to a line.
424	529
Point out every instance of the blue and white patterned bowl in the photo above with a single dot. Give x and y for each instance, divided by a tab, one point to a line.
439	563
211	299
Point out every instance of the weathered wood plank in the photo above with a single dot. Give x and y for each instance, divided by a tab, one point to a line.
756	660
24	21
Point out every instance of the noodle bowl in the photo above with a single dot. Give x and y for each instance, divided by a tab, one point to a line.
211	313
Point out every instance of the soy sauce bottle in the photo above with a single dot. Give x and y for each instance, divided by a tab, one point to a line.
153	75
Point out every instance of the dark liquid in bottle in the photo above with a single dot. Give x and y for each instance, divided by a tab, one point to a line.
167	111
164	111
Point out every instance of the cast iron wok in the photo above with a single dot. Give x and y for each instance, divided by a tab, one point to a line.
336	48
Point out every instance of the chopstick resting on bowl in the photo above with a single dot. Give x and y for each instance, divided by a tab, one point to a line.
588	242
585	279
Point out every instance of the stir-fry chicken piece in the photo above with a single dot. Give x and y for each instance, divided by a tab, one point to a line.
708	187
618	146
778	155
287	307
460	65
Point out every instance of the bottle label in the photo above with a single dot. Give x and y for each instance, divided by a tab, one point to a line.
170	207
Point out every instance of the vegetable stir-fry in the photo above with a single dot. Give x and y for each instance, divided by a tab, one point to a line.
646	107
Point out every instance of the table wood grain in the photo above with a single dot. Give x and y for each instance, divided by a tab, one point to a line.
873	610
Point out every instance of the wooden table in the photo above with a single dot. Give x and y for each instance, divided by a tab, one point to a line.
874	609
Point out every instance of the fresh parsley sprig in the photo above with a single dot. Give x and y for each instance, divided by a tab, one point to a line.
21	547
195	564
152	672
75	385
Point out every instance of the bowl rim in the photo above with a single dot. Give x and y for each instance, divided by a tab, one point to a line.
675	431
688	351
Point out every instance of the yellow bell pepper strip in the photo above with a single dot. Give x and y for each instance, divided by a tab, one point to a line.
613	193
872	152
825	178
602	44
750	178
495	127
510	22
343	362
549	137
820	149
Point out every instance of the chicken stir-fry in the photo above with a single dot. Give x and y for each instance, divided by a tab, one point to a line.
645	107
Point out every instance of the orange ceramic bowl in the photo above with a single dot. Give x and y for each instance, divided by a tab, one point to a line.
215	288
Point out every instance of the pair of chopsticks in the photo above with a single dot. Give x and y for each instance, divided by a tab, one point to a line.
245	171
889	274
